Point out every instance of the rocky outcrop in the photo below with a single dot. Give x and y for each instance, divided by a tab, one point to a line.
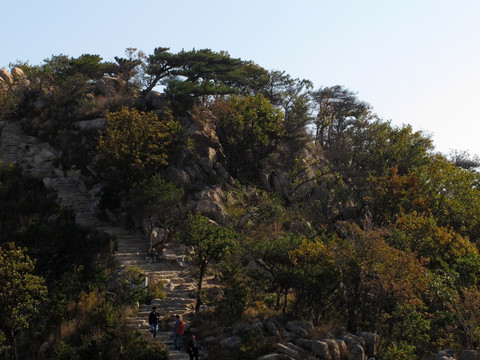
109	86
6	76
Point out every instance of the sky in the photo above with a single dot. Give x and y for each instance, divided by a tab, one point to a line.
415	62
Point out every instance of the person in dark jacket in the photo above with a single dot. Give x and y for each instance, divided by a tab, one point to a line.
192	348
153	321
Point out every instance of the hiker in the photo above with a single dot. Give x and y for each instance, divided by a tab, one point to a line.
153	319
192	348
177	335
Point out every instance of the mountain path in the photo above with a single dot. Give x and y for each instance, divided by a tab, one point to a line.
36	157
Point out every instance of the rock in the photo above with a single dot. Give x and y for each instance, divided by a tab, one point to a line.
265	178
304	344
157	236
5	75
282	349
320	350
271	328
333	348
281	184
208	159
214	211
211	194
446	354
156	100
358	353
344	354
241	328
178	176
274	356
18	73
372	342
469	355
300	327
232	343
352	340
108	86
259	328
95	124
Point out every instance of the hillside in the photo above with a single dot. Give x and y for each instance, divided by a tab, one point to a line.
280	220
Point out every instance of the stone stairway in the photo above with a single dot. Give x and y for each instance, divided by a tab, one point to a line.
37	157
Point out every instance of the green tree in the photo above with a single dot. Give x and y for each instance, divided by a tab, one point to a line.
21	292
249	129
210	244
138	144
156	200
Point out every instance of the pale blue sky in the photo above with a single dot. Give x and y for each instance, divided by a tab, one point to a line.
416	62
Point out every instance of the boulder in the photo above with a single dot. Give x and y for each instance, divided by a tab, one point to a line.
320	350
344	354
231	343
446	354
18	73
156	100
275	356
241	328
271	328
352	340
213	211
259	328
282	349
281	184
208	159
469	355
95	124
333	348
357	353
300	327
304	344
108	86
5	75
178	176
211	194
372	341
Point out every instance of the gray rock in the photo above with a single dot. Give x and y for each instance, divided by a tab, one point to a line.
344	354
320	350
333	348
446	354
241	328
211	194
275	356
469	355
352	340
304	344
156	100
301	328
108	86
282	349
259	328
271	328
95	124
232	343
358	353
372	341
281	184
178	176
214	211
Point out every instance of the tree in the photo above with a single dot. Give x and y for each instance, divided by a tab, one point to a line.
210	244
138	144
156	200
249	129
21	292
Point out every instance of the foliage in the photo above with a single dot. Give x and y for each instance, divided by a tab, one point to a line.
138	144
156	200
249	129
210	244
21	292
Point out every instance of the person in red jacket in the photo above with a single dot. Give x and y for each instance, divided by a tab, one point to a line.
177	335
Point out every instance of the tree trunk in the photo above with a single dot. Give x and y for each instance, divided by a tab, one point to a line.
199	288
